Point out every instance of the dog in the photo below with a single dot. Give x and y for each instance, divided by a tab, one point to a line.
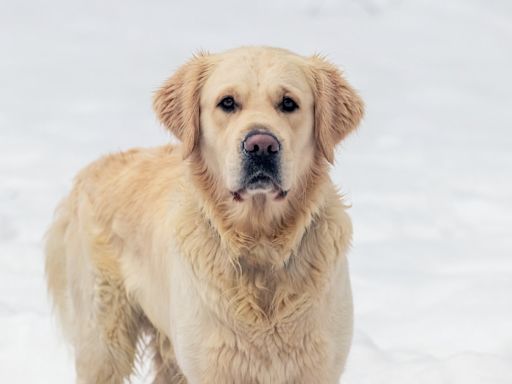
226	253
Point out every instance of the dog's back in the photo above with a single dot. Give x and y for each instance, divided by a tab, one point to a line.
83	267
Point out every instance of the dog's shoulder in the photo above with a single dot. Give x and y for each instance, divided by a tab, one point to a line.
131	163
128	184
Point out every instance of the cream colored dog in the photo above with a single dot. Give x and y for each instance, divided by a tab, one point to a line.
228	250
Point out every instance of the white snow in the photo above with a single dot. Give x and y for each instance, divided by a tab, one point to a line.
429	173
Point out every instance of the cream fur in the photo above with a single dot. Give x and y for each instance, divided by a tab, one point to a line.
151	240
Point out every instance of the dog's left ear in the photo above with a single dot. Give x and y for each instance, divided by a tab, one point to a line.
176	103
338	108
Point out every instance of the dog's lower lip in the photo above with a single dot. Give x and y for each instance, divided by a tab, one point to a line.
279	193
260	178
259	182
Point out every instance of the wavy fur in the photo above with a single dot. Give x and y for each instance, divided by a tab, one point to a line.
150	241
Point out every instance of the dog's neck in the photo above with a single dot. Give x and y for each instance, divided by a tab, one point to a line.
259	274
260	230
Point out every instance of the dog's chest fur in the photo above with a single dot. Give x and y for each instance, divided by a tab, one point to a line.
258	323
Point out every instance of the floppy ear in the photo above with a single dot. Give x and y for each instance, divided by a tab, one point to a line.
338	108
176	103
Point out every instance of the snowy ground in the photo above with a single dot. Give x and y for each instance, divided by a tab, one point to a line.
429	173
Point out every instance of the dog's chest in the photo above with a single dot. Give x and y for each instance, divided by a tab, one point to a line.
233	324
214	344
284	353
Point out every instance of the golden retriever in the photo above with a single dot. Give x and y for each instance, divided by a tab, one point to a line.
228	251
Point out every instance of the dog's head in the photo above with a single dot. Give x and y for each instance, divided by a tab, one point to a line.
259	117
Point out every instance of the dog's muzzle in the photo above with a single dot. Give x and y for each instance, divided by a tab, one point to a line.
261	170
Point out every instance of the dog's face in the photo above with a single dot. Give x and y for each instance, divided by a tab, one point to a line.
259	116
257	123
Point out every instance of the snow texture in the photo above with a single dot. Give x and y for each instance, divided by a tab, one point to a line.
429	173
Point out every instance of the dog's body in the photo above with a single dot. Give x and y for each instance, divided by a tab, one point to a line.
229	250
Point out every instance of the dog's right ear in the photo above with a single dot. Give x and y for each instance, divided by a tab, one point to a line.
176	103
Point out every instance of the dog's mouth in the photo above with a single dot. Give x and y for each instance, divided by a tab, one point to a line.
260	183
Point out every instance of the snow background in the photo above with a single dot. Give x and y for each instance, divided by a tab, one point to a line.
429	173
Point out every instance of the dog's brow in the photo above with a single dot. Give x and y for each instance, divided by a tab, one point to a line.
295	86
227	91
286	90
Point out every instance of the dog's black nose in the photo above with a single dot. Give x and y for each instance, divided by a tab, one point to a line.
261	144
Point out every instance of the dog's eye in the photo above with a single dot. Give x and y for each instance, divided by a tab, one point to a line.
288	105
227	104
